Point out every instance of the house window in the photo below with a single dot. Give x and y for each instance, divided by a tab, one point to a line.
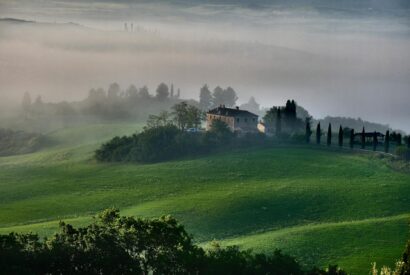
246	120
254	119
237	120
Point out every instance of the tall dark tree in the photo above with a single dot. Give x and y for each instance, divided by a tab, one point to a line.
387	141
318	133
278	122
399	140
375	141
205	98
340	136
408	141
329	135
308	132
351	142
162	92
363	139
113	91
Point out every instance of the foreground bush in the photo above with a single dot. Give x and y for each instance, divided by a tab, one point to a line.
124	245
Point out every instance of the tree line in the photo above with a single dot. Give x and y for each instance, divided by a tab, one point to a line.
373	139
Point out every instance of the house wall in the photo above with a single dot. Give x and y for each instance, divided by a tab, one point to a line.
246	123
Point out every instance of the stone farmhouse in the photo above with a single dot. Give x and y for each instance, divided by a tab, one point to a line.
240	121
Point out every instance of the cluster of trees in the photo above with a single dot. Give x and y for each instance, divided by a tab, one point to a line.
113	103
164	139
114	244
283	119
219	96
19	142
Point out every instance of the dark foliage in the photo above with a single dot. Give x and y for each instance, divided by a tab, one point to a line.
19	142
329	135
351	141
308	131
387	142
166	142
363	139
341	136
125	245
318	133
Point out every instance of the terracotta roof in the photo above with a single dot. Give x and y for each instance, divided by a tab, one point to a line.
223	111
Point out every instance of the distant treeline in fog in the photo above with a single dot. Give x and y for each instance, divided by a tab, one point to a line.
136	104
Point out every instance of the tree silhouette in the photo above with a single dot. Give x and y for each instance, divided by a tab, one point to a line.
329	135
399	141
387	141
340	136
308	132
363	139
318	133
205	98
162	92
278	122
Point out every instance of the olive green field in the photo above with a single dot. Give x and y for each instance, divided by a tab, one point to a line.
320	206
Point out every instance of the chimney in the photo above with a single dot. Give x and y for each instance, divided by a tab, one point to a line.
237	107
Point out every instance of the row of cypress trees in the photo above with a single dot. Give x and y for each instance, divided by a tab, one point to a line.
375	141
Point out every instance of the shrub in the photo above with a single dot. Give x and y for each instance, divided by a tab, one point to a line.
403	153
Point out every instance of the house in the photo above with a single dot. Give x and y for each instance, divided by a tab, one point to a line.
369	136
241	121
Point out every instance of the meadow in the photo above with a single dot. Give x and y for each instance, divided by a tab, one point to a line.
318	205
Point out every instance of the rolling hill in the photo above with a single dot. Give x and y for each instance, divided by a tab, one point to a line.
320	206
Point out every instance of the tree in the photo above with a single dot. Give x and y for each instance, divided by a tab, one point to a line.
387	141
318	133
205	98
251	105
162	92
144	93
163	119
26	104
187	116
399	139
225	97
172	91
351	141
132	92
341	136
308	131
329	135
363	139
113	91
375	141
179	93
278	123
408	141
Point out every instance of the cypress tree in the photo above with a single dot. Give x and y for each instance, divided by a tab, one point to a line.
363	139
399	140
340	136
329	135
408	141
308	130
387	142
278	122
375	141
351	139
318	133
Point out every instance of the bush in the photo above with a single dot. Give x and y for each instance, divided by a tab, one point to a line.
125	245
403	153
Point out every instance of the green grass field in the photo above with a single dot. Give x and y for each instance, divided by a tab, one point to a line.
320	206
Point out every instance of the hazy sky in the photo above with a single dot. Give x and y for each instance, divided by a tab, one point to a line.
334	58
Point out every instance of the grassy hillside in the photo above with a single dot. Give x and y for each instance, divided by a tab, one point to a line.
317	205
